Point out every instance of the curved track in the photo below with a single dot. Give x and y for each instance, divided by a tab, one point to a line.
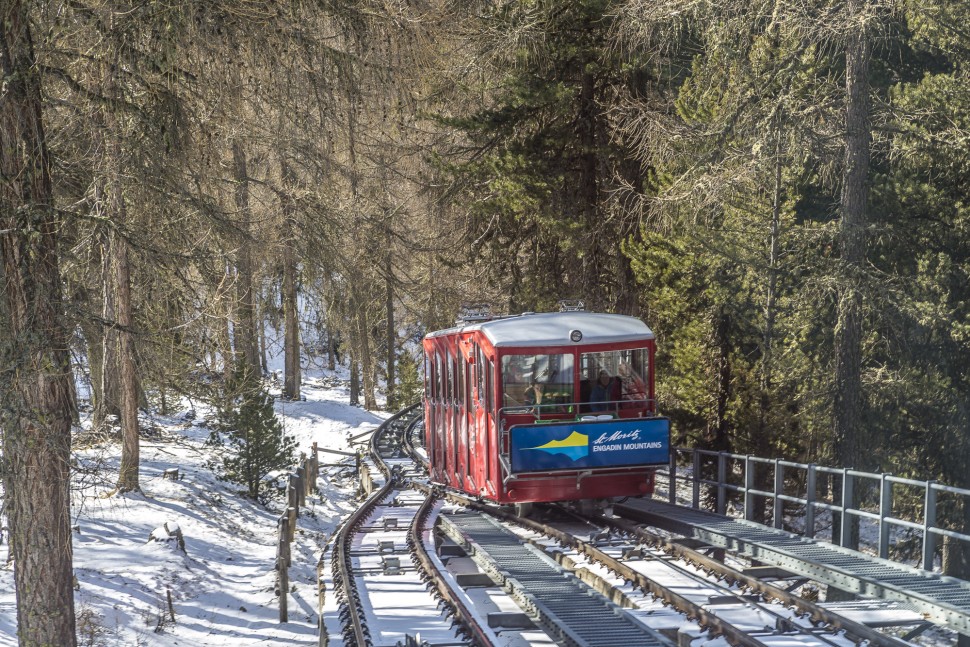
388	538
583	581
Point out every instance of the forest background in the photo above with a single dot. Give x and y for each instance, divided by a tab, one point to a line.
779	189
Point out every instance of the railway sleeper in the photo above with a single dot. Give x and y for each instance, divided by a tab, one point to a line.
746	618
558	600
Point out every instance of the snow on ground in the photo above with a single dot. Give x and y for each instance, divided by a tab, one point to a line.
223	587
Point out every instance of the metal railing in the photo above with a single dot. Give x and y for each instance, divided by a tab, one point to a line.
848	494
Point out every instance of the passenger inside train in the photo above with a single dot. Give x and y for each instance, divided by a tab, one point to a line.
602	392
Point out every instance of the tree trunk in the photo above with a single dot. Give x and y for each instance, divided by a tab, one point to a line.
851	445
855	195
772	290
223	338
365	358
391	334
93	335
593	262
120	373
128	377
291	341
354	381
261	326
763	431
109	406
291	318
721	437
35	385
245	337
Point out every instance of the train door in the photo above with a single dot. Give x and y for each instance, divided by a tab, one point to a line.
429	403
441	420
476	452
450	430
490	448
468	423
460	437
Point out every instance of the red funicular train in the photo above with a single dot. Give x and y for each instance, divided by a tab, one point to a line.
544	407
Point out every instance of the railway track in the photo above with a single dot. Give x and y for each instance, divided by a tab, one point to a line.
376	555
415	565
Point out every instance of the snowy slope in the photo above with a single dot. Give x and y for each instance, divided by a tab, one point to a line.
223	585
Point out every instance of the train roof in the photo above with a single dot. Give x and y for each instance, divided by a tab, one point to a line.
556	328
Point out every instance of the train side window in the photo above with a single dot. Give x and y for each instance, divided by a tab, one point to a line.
450	381
488	369
428	377
437	377
460	390
514	381
457	377
481	372
468	424
489	396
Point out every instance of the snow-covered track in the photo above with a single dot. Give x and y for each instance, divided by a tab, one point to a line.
942	600
577	587
818	615
567	621
381	561
564	605
704	595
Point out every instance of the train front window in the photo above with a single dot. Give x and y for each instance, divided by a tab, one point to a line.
614	379
537	380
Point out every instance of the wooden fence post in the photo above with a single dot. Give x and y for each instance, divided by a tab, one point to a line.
301	485
315	460
310	475
292	498
282	564
285	542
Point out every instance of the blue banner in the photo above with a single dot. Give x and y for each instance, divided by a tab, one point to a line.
590	444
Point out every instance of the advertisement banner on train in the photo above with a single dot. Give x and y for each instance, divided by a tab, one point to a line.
589	444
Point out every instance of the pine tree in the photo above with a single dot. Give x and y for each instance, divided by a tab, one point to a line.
250	429
407	391
540	162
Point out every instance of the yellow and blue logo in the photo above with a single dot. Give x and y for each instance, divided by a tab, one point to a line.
575	447
613	443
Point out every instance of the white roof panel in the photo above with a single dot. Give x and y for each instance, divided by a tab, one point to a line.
554	328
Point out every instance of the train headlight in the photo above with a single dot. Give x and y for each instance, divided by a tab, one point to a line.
576	335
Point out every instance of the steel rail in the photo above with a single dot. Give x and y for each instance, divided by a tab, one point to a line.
355	628
460	611
704	618
708	564
407	442
462	614
942	600
818	614
378	436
